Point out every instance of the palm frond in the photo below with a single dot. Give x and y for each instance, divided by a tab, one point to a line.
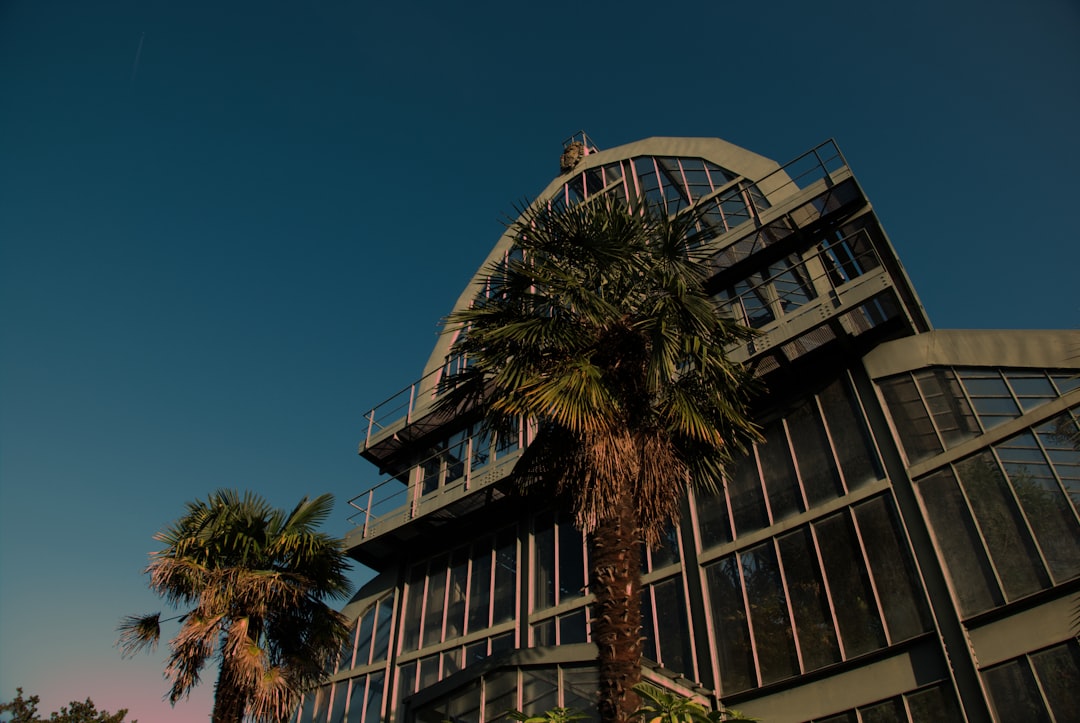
138	633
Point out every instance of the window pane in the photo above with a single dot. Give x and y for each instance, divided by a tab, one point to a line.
648	631
572	628
891	711
1013	693
959	543
337	709
544	562
1032	389
480	585
729	621
1044	504
1058	669
933	705
674	632
579	688
413	606
944	397
785	499
817	468
813	621
571	562
374	698
712	515
912	421
365	625
854	449
747	501
1010	546
905	612
769	614
459	579
860	628
429	671
539	691
345	657
505	577
1060	438
384	615
433	609
543	633
356	699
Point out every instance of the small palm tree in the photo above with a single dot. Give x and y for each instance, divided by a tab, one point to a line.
254	579
659	706
603	333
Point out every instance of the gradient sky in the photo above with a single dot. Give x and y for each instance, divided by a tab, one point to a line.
229	228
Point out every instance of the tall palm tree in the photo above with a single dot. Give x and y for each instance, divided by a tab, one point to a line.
253	579
603	333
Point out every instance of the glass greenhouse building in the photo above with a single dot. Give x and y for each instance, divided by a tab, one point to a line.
903	546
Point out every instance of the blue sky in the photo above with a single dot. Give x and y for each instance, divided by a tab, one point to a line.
228	229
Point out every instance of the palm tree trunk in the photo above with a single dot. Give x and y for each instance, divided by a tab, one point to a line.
616	582
229	701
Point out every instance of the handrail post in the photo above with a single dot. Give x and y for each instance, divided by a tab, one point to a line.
367	514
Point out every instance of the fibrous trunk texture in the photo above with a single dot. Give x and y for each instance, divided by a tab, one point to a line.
616	582
229	702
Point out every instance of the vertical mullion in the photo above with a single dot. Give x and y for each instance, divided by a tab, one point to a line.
795	464
468	595
446	600
978	531
1020	508
828	592
870	573
787	601
749	621
832	442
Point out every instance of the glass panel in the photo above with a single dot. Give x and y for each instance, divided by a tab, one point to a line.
905	612
543	633
481	449
854	448
572	628
667	551
1058	669
505	602
429	671
539	690
384	616
860	628
322	704
500	694
464	705
1010	546
571	562
1032	389
933	705
773	638
337	709
890	711
1060	438
436	598
648	631
406	681
345	657
944	397
958	543
451	662
813	620
455	453
1044	504
414	604
459	578
778	472
502	643
813	455
356	700
674	630
480	585
1013	693
729	621
579	688
476	652
714	525
912	421
747	500
373	709
544	561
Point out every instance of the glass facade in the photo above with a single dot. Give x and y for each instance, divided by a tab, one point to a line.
888	525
